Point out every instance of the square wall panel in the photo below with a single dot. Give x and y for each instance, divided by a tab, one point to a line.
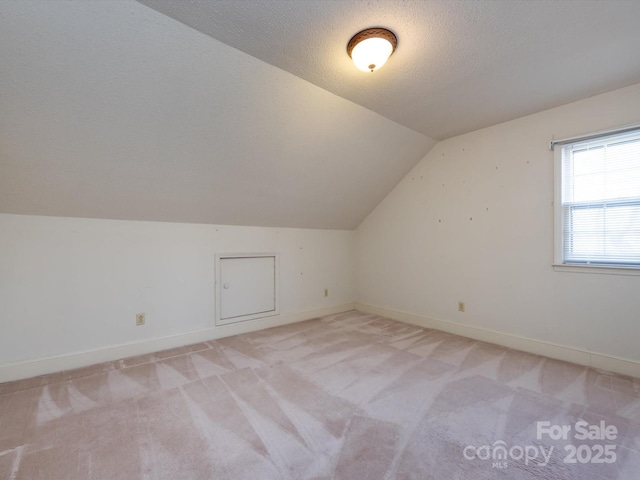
247	286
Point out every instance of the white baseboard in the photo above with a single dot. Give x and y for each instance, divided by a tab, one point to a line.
547	349
41	366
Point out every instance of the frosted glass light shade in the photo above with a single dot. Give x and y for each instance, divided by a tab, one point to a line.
371	48
371	54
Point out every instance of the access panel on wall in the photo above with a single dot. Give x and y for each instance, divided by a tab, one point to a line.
247	287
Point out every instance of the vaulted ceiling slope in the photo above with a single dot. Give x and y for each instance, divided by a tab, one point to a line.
460	65
114	110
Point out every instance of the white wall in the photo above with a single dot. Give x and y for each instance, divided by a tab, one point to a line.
70	285
473	221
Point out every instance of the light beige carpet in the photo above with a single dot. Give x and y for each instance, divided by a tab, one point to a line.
349	396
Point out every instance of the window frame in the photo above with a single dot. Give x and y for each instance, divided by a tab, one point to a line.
560	263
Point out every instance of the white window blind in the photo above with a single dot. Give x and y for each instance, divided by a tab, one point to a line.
600	200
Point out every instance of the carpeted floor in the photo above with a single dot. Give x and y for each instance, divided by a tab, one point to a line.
349	396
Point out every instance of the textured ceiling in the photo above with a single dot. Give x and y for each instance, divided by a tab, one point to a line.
459	65
251	113
109	109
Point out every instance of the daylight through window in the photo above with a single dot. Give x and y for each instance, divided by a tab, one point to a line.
599	212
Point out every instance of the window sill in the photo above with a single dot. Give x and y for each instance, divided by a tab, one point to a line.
601	269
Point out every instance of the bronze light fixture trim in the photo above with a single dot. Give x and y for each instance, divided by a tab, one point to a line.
370	48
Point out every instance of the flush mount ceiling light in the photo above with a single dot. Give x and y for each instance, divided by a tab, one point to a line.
371	48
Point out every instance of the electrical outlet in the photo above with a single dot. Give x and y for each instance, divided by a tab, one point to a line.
140	319
461	306
326	292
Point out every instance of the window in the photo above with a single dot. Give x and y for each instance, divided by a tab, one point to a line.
598	200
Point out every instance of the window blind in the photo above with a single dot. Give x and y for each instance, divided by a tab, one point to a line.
601	200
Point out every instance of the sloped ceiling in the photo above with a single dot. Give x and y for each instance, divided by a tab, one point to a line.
460	65
109	109
250	112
